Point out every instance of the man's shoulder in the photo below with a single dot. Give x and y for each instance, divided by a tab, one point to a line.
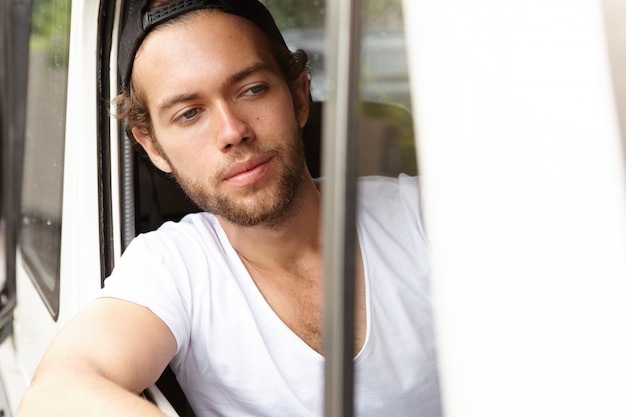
380	189
194	245
392	203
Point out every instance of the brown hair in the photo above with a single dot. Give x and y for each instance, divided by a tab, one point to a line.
131	106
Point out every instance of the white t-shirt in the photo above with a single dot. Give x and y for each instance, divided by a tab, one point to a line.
236	357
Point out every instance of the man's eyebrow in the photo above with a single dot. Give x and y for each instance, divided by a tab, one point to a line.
254	68
168	103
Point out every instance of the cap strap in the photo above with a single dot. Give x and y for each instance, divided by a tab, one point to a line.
150	19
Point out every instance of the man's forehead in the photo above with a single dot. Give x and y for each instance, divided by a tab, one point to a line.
208	38
204	55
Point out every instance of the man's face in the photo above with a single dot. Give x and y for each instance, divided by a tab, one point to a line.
223	117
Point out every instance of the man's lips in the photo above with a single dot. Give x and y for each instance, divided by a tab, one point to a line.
245	167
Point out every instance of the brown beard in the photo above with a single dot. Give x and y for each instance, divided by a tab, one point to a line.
272	206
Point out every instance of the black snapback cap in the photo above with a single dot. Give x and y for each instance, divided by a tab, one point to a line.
140	22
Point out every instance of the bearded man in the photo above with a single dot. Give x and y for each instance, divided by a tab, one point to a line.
231	297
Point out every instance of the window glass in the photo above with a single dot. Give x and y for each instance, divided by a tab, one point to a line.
3	139
302	26
386	140
2	161
384	71
40	229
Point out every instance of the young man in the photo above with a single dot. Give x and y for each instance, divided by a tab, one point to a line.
232	297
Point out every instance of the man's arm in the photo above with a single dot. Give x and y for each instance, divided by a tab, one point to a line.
100	362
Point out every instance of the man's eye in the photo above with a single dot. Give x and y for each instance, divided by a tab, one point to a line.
256	90
188	115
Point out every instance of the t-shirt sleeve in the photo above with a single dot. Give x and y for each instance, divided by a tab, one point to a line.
141	276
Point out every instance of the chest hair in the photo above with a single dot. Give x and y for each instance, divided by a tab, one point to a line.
297	299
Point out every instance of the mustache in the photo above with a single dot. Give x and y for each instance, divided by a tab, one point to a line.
244	151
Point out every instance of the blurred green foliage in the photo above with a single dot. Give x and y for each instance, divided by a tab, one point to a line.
377	14
297	13
50	30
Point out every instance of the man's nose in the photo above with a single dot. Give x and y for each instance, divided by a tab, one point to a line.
231	128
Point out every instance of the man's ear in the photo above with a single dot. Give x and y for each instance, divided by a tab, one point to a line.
152	149
301	90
